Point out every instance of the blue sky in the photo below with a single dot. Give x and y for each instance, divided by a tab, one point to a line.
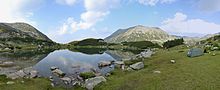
67	20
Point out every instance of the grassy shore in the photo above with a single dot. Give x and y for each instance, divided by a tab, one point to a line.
30	84
199	73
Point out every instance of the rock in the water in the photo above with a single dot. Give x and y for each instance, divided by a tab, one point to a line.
66	80
92	82
59	72
104	63
137	66
53	68
10	82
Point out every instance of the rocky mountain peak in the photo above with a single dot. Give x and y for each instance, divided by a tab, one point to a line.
139	33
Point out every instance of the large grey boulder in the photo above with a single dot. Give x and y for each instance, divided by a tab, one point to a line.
92	82
137	66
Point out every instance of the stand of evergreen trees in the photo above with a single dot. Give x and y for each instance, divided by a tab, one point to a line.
172	43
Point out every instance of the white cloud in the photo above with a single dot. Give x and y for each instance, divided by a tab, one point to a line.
180	24
209	5
154	2
16	11
66	2
96	10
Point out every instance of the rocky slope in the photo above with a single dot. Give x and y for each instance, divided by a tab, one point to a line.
21	35
139	33
22	30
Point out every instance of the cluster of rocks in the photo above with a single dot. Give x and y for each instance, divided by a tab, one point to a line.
24	73
57	71
121	64
73	80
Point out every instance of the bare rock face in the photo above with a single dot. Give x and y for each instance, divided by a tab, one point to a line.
139	33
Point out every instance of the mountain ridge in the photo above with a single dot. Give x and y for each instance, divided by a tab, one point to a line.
139	33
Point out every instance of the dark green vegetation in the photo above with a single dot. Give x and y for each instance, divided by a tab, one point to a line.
172	43
200	73
89	42
141	44
24	43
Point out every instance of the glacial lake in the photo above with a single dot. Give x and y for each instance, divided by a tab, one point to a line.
69	61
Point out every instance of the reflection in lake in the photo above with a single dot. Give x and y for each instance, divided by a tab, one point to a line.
69	61
72	62
20	59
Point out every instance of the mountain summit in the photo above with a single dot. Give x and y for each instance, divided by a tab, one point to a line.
139	33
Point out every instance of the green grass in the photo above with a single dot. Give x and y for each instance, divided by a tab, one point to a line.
200	73
30	84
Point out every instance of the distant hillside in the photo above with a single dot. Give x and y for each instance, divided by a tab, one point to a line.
21	35
22	30
139	33
212	40
89	42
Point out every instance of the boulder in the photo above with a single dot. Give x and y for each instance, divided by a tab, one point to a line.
66	80
92	82
137	66
172	61
51	78
53	68
33	74
104	63
157	72
10	82
58	72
